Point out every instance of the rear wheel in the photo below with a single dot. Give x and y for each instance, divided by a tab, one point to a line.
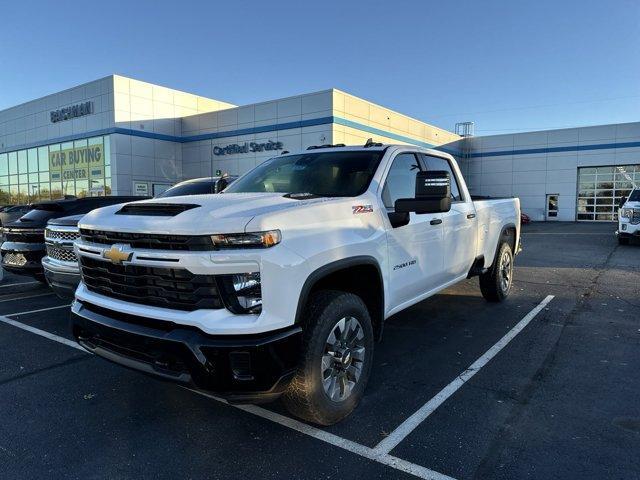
495	284
336	359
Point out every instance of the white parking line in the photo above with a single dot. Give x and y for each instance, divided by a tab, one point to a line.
410	424
36	311
380	453
20	283
26	298
42	333
353	447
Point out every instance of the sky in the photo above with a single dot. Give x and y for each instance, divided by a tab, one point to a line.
507	66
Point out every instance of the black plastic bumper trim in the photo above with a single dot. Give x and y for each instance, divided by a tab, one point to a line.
186	355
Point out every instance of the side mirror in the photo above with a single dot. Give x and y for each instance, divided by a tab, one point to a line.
398	219
433	194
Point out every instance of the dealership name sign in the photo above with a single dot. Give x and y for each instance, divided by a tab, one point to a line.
84	108
247	147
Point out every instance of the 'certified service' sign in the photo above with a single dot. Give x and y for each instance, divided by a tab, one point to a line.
247	147
84	108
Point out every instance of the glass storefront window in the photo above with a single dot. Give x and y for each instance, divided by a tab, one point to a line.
4	164
32	160
22	161
13	163
77	168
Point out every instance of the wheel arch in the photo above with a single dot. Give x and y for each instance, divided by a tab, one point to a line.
360	275
509	234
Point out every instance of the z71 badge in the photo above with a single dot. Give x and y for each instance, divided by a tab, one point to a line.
362	209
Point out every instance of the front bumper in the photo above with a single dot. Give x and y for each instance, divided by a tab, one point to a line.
63	279
31	253
240	368
628	229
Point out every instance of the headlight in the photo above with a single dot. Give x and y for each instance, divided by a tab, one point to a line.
626	213
247	240
242	292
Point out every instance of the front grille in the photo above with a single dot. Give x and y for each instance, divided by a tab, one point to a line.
172	288
62	234
61	254
149	241
635	218
25	235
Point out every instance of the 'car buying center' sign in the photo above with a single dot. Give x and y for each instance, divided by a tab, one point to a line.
77	163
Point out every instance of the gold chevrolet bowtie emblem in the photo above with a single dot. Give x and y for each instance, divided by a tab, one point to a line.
117	254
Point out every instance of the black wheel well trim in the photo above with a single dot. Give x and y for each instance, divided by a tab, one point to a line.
503	234
335	266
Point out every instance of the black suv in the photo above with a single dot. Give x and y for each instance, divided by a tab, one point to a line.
24	244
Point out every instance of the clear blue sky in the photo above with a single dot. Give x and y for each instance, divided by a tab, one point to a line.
506	65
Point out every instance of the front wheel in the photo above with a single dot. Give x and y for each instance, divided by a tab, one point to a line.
337	355
495	284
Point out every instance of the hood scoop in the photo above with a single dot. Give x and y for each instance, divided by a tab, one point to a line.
156	209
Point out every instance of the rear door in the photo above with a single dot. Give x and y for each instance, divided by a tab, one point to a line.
415	250
459	224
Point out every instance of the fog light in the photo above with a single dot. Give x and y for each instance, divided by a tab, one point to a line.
247	288
242	292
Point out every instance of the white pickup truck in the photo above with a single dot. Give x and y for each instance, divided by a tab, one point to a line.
629	218
281	284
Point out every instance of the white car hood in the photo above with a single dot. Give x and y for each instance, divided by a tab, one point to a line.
216	213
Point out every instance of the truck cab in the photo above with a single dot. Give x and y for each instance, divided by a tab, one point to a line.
281	285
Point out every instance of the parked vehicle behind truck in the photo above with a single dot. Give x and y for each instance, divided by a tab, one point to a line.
280	286
24	245
629	218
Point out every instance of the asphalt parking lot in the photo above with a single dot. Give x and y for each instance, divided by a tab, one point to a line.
553	390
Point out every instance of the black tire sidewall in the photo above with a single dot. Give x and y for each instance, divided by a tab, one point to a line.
336	305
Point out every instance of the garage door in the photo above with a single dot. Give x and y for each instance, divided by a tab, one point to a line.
600	190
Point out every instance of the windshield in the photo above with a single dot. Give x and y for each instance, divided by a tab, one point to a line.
635	195
327	174
193	188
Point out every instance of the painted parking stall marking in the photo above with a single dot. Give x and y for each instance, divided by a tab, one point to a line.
410	424
379	453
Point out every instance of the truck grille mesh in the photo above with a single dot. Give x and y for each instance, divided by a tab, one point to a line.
172	288
61	235
61	254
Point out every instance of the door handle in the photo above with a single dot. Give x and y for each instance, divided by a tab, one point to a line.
436	221
471	215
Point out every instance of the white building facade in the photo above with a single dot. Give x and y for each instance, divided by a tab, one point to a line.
118	135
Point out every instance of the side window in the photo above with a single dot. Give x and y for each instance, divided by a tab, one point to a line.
437	163
401	180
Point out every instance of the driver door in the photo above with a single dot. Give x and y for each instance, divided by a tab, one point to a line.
415	250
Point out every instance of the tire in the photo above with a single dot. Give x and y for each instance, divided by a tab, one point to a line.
623	240
495	284
325	357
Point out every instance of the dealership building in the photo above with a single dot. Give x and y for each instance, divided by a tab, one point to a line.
122	136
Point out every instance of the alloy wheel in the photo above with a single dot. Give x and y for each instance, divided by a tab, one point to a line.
343	359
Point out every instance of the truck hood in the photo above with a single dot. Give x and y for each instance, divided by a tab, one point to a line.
71	221
216	213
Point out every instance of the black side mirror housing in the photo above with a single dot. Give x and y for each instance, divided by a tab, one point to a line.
433	194
399	219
